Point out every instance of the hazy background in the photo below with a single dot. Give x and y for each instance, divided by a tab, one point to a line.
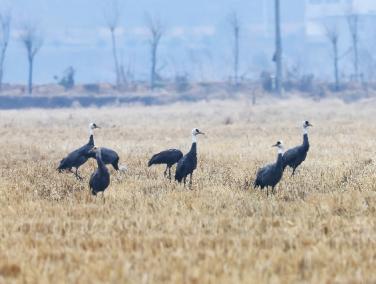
198	38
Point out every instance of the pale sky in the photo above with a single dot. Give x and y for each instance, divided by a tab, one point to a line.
74	35
197	39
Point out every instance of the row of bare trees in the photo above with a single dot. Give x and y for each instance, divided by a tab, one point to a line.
333	35
156	31
32	39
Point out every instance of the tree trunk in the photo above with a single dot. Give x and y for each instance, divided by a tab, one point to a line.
353	23
153	65
278	52
236	56
30	83
2	58
336	77
116	61
356	67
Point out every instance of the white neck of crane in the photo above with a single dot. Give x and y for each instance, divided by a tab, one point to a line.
194	138
280	150
305	130
91	131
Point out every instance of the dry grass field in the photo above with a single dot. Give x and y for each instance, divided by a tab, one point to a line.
320	226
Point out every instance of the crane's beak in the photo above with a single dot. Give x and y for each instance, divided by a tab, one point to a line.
275	145
96	126
310	125
202	133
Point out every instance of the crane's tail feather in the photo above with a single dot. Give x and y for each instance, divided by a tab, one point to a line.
179	178
256	184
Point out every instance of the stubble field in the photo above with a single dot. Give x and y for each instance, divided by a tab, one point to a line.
319	227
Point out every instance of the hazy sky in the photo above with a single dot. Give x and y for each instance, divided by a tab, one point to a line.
197	39
74	34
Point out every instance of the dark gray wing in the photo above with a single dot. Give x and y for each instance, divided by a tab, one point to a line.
109	156
168	157
291	155
75	158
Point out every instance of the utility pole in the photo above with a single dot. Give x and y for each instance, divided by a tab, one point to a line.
278	51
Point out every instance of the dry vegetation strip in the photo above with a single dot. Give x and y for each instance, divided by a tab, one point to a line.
319	227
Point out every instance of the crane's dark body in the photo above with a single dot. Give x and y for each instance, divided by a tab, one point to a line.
109	157
169	158
187	165
100	179
76	158
270	175
295	156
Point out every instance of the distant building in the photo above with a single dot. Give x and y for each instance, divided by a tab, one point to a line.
304	42
321	12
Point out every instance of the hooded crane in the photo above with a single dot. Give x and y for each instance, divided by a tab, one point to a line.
188	163
169	158
271	174
78	157
100	179
109	157
295	156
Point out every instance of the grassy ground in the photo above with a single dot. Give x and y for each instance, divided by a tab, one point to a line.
320	227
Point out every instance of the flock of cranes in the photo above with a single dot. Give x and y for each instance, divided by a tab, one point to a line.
185	164
267	176
270	175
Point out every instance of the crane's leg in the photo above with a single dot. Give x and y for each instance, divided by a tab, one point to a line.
190	181
169	173
77	175
267	191
293	171
165	172
185	180
273	190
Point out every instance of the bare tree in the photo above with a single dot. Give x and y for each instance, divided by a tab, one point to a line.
156	31
112	16
333	35
235	28
5	20
32	40
353	23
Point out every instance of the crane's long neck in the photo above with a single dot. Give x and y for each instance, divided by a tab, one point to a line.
194	145
100	163
194	138
305	137
280	157
91	138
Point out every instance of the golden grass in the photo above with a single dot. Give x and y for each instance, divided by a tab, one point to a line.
320	227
